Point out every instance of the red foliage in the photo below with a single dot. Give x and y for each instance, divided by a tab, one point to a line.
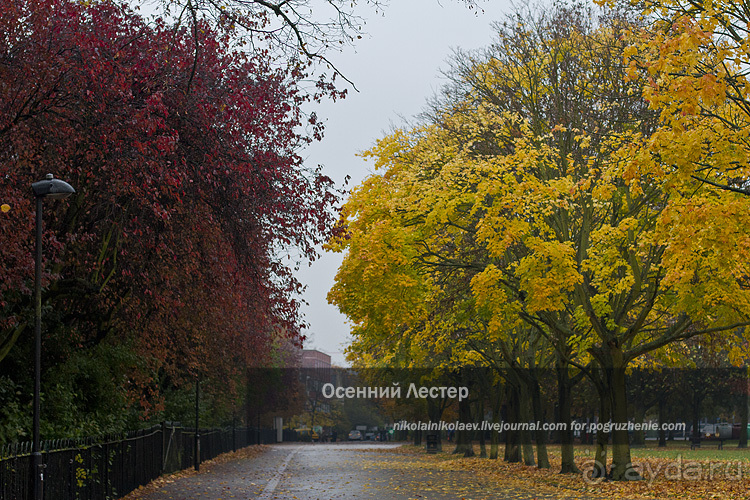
189	188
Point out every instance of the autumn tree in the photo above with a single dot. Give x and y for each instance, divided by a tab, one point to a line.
190	197
695	56
695	53
522	186
590	271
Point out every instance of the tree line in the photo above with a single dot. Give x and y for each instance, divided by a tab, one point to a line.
572	202
170	263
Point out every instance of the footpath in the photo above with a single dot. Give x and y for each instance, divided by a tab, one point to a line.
242	474
346	471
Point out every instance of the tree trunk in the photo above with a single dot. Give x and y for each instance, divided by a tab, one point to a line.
662	432
744	414
622	466
463	436
512	450
495	436
602	437
639	416
435	412
540	434
567	450
482	444
494	445
525	414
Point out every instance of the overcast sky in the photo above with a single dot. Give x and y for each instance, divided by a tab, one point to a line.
396	68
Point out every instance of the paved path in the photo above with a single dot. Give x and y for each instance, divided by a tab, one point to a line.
351	471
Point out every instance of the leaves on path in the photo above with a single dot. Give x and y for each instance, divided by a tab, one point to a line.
206	468
409	473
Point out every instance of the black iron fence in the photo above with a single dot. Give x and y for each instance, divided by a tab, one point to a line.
110	467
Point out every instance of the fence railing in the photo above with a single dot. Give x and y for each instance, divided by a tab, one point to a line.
110	467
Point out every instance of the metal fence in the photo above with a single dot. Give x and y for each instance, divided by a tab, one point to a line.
110	467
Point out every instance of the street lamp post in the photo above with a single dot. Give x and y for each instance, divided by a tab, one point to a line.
197	447
54	189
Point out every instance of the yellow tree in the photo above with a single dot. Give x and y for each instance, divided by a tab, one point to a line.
579	240
377	287
534	69
526	186
695	56
390	301
406	281
561	74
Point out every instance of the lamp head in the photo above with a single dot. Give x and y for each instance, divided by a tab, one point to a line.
52	188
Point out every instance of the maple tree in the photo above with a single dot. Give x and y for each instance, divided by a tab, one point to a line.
519	200
695	54
441	194
190	194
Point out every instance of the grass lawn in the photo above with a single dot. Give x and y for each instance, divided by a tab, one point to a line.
709	450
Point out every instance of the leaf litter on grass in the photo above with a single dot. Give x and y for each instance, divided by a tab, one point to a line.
674	474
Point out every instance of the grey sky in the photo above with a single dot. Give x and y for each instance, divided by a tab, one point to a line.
396	68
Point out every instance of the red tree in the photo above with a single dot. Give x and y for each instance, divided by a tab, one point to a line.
189	190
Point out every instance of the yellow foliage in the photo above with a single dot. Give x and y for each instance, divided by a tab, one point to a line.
488	225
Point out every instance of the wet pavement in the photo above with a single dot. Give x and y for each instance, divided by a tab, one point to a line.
351	471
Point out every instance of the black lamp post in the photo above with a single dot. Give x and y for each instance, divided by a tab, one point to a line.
197	444
54	189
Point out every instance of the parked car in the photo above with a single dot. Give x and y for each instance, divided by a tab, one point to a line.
355	435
